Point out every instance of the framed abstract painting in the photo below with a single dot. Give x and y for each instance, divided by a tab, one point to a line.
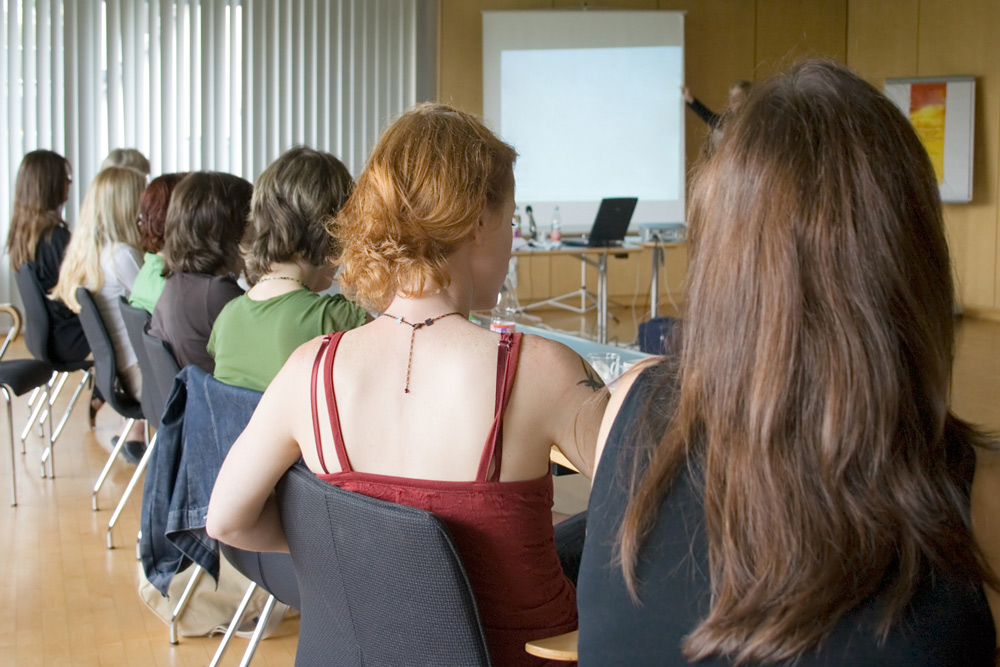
942	111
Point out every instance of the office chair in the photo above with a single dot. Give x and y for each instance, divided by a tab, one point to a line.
356	558
36	337
17	377
106	376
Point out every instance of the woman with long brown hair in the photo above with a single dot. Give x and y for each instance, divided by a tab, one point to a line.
38	236
793	486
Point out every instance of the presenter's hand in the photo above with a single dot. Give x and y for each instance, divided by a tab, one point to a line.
687	94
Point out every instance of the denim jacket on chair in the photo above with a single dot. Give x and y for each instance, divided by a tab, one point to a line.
202	419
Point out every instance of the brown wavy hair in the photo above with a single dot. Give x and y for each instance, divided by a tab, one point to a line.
205	223
812	385
431	175
153	209
292	200
39	193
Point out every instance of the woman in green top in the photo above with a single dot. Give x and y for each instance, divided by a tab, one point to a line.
153	205
288	254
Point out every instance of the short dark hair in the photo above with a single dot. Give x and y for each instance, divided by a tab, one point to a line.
292	201
205	222
153	209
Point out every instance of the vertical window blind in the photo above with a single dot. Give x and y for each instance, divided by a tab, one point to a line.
222	85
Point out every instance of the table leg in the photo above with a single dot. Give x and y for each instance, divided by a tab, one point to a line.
654	287
602	298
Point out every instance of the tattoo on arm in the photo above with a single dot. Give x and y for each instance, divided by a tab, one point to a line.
592	379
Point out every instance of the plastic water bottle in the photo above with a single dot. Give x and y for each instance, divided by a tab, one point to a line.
556	234
532	228
503	313
516	222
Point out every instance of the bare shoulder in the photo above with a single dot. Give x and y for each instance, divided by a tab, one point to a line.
548	356
296	372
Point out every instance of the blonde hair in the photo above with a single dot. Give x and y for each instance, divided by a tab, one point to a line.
431	175
129	158
108	215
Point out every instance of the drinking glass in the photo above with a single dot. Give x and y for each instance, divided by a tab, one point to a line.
607	365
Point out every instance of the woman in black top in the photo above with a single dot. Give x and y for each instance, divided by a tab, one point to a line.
793	486
39	235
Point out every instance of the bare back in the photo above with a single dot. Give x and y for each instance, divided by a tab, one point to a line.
438	429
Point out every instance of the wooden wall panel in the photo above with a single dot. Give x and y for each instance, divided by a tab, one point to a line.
460	48
882	38
959	37
718	49
732	39
789	30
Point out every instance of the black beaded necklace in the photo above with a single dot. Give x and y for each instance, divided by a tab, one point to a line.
413	332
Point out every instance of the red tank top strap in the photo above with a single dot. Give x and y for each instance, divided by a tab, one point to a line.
330	341
507	353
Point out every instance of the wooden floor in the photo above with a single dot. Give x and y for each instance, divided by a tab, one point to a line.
66	599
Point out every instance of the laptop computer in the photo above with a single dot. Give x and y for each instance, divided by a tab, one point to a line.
610	225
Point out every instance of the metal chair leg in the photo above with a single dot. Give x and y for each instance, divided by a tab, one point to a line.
258	632
183	601
39	405
49	452
13	457
54	394
235	623
111	459
69	408
131	485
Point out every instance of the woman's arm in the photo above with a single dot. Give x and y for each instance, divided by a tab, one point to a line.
573	397
242	511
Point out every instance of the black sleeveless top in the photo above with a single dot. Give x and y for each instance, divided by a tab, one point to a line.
947	622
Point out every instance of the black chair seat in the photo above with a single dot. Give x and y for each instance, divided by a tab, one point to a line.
23	375
71	366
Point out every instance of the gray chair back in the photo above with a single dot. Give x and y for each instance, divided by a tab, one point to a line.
164	368
379	583
105	365
136	321
38	327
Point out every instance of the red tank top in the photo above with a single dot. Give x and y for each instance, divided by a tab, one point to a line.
503	530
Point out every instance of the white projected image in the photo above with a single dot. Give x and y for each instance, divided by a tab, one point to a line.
594	122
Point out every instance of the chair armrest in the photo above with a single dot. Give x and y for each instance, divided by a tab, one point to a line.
15	327
556	456
560	647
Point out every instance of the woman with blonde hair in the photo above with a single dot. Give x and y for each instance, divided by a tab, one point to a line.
793	489
104	256
425	399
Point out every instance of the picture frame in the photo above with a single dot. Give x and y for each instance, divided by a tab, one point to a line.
942	111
